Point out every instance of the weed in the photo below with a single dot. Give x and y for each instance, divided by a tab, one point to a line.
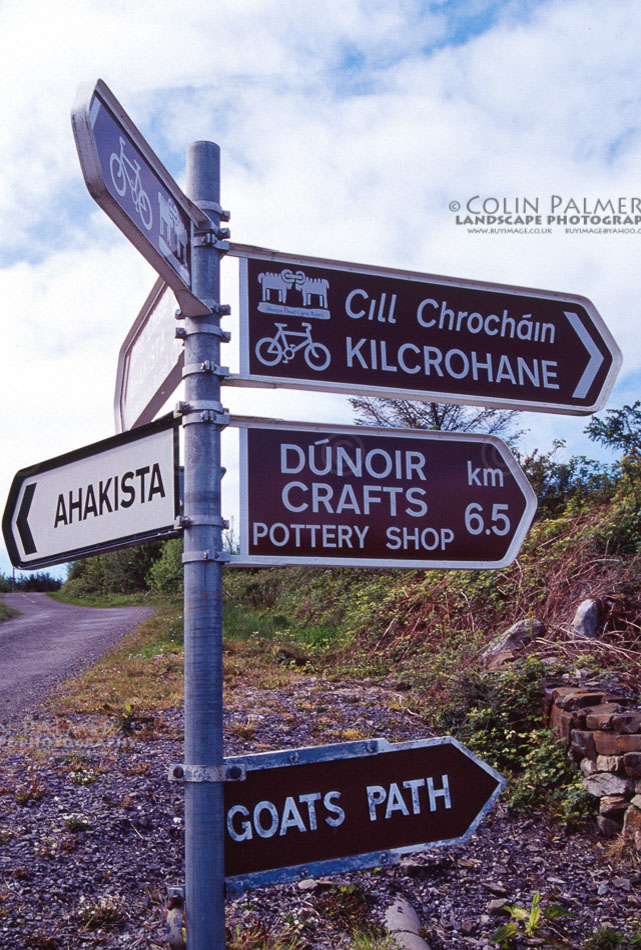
104	913
367	942
528	921
257	937
31	791
244	730
607	939
348	907
76	823
622	850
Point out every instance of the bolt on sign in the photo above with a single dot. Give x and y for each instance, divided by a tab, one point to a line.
109	495
380	497
327	809
331	326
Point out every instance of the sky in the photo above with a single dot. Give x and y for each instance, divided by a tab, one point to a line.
350	130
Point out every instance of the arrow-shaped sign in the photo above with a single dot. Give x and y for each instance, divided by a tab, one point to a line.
333	326
327	809
109	495
360	496
130	183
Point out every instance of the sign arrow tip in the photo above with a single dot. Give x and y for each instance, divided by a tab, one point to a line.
22	522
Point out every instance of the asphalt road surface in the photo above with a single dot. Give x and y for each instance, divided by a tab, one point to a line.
50	641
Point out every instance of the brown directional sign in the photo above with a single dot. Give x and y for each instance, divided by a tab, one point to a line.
361	496
133	187
305	812
332	326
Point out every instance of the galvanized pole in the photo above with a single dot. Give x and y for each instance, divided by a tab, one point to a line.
204	867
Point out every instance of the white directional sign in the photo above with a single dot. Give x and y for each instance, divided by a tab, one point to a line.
332	326
150	361
104	496
133	187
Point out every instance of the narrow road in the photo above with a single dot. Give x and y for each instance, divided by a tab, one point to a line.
49	641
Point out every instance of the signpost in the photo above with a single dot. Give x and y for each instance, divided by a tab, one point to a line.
150	361
310	494
104	496
308	323
327	809
378	497
133	187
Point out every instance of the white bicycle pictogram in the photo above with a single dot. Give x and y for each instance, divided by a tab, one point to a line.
272	350
125	171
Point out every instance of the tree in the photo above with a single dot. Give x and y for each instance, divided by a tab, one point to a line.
620	430
436	415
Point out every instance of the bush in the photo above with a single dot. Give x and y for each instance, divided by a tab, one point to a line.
165	576
500	717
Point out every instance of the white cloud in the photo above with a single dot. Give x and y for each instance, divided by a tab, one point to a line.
346	129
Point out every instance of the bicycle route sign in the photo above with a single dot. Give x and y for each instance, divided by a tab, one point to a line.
150	361
109	495
331	326
323	810
133	187
357	496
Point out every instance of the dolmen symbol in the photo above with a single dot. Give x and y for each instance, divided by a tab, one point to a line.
312	290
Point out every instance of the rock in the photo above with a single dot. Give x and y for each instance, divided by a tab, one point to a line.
572	697
401	916
613	806
608	827
632	764
410	941
609	763
605	783
600	717
519	635
632	827
588	766
629	743
495	888
563	722
629	721
496	906
586	620
622	883
606	743
582	744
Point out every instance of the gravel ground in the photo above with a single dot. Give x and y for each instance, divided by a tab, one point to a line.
91	833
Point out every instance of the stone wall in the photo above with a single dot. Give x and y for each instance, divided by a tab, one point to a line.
603	731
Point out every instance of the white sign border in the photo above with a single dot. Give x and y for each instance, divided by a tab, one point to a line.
243	559
165	423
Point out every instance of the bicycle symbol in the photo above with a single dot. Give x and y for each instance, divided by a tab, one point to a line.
271	350
125	172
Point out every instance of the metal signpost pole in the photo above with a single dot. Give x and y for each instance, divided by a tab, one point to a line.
204	864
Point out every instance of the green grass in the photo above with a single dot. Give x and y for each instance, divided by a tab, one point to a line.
7	613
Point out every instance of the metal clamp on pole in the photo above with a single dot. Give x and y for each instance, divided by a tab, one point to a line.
207	773
216	238
215	208
223	335
205	367
202	410
193	557
211	521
